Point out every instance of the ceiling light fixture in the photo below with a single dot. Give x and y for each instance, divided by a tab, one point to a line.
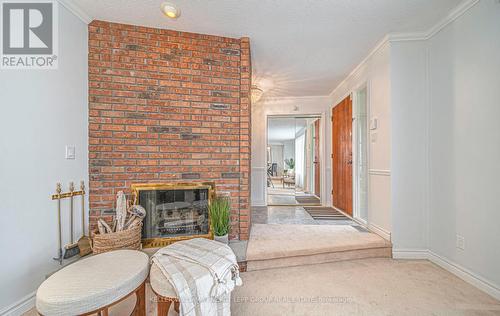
266	84
170	10
256	93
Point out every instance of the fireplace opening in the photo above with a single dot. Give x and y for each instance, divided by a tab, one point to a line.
174	211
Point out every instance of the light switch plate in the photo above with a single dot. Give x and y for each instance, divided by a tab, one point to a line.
70	152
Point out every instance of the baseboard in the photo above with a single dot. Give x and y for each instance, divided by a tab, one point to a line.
372	227
450	266
465	274
379	231
20	307
360	221
410	254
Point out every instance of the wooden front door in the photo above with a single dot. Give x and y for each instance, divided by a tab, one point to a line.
317	188
342	156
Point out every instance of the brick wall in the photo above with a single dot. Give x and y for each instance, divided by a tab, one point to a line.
167	106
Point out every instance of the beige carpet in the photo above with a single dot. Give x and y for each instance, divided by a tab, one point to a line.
270	241
360	287
369	287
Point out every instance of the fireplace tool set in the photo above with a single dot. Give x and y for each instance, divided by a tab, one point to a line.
82	246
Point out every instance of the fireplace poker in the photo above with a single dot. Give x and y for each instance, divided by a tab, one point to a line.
84	241
59	254
71	249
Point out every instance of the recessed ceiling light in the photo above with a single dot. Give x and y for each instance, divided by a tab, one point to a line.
170	10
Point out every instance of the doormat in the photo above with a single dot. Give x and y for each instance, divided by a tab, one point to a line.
307	200
325	213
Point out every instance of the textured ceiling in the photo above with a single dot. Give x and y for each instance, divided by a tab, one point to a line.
305	47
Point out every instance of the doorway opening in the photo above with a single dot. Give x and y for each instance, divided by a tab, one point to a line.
293	160
350	155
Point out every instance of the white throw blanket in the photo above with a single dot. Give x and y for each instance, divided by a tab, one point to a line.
203	273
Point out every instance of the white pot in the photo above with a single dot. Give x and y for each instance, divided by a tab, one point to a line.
223	239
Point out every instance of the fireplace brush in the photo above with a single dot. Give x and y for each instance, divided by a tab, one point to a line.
72	249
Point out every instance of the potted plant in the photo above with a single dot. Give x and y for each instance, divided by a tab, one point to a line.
290	163
219	215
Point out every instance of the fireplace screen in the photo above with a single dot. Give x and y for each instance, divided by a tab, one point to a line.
174	212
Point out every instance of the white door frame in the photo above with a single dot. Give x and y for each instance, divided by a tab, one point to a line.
355	193
352	94
322	151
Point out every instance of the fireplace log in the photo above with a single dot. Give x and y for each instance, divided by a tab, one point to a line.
121	210
103	227
135	222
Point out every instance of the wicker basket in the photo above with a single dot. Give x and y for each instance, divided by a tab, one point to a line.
126	239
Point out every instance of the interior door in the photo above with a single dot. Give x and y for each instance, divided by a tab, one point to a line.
342	155
317	188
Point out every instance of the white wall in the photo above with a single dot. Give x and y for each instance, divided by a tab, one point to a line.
284	106
375	72
42	111
446	145
465	141
409	182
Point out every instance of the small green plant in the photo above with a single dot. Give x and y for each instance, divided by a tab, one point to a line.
290	163
219	215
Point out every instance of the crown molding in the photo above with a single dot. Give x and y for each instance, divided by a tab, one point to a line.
76	10
449	18
377	47
454	14
409	36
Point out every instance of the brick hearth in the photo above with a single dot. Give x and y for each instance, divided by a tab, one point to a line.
167	106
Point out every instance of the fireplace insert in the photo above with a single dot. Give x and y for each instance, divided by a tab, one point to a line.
174	211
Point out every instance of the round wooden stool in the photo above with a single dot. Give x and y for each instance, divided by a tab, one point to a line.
94	284
165	292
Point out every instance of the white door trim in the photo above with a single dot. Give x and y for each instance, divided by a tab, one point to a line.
322	149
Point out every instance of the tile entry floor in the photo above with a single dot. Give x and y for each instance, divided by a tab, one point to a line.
286	196
281	199
289	215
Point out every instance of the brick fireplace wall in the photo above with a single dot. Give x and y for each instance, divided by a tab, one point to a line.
168	106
